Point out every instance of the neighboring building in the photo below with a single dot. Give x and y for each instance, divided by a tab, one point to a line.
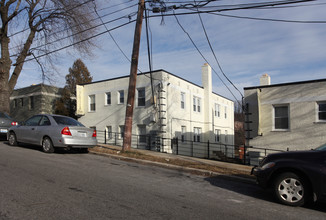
289	116
35	99
178	108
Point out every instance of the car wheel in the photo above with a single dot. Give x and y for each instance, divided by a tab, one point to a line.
290	189
47	145
12	139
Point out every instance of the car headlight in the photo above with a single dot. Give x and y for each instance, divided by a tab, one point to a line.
268	165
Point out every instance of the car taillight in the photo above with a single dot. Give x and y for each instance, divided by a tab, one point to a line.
94	133
66	131
14	123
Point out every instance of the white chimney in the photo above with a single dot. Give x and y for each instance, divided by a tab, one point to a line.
265	80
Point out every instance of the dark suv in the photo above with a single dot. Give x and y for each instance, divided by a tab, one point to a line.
295	177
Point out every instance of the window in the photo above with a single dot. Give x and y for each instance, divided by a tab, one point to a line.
217	110
322	111
141	96
196	104
15	103
217	135
45	121
281	117
197	134
22	101
121	131
226	136
108	98
91	101
109	132
183	100
225	112
34	121
142	133
121	97
31	102
183	133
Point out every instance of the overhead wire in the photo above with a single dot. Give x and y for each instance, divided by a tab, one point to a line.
198	50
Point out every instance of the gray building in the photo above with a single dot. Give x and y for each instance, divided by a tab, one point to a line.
288	116
35	99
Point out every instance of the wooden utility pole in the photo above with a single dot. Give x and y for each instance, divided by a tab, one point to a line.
132	79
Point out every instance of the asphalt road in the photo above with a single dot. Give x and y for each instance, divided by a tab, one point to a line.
35	185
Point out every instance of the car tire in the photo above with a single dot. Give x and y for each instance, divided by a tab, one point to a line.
290	189
47	145
12	139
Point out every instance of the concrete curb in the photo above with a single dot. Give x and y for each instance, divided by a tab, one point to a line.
179	168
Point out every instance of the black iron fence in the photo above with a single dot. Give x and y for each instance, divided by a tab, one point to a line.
205	150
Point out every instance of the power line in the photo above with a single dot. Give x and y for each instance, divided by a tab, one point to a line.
73	44
204	56
218	63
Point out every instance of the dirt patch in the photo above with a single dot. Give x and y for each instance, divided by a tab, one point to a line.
178	162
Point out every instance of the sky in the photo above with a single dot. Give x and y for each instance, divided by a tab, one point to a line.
244	48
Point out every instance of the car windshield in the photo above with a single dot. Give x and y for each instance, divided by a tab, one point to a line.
322	147
67	121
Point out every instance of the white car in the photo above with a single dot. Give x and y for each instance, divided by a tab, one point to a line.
53	131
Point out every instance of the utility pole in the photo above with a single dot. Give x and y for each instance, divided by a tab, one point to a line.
132	79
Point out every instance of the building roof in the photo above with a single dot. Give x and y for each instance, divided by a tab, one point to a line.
286	84
143	73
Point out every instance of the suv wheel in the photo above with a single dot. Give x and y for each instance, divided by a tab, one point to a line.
290	189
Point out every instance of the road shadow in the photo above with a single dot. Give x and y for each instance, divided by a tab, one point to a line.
56	150
250	189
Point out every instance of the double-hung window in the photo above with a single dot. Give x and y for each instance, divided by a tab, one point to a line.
197	134
141	96
217	135
281	117
225	112
108	98
217	110
91	101
121	131
121	97
321	111
142	133
183	99
196	104
183	133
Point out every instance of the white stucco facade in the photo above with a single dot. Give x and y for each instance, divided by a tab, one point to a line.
178	108
287	116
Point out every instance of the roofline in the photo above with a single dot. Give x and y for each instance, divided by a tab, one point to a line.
286	84
162	70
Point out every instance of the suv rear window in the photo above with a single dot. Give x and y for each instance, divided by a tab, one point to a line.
67	121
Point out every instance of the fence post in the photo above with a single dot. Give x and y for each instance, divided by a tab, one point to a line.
176	140
208	149
137	136
115	138
192	148
105	136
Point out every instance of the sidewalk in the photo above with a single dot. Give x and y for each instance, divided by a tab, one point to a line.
187	164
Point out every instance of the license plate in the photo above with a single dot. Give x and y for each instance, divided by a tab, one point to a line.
82	134
3	130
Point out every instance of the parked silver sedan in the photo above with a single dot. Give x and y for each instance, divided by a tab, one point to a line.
53	131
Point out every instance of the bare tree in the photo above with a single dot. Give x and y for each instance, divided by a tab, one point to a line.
31	29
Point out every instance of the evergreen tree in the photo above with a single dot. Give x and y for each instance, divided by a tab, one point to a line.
78	74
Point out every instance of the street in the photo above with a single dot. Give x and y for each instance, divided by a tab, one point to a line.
63	185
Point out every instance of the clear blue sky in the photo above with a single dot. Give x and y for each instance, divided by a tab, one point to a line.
245	48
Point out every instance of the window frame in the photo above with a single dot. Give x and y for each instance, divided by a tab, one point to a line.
197	134
121	97
183	100
108	98
217	134
318	111
183	133
141	129
141	99
90	104
288	117
196	104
